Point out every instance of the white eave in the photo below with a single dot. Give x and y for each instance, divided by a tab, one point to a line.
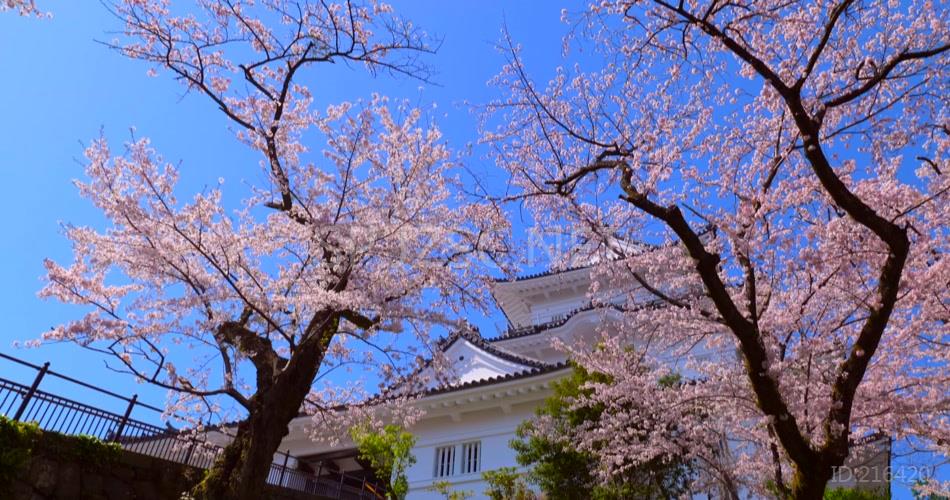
490	394
516	297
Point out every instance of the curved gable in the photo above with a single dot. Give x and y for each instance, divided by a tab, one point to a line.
470	362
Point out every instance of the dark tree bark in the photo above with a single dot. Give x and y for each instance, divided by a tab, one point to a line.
241	470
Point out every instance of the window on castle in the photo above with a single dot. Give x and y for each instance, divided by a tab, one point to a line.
444	461
471	457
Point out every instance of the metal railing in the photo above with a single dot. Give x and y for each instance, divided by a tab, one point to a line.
331	484
65	416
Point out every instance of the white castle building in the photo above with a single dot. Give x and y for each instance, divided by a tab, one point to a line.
495	385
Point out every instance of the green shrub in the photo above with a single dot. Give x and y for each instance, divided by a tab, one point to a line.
389	452
506	484
91	450
563	472
853	494
16	446
18	441
444	488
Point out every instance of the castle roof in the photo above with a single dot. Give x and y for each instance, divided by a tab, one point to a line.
548	368
476	339
549	272
497	364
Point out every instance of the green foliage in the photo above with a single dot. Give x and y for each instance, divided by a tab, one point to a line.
853	494
16	447
670	380
506	484
774	491
389	452
559	470
565	473
18	441
443	488
91	450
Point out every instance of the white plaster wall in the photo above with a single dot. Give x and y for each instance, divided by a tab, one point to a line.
494	428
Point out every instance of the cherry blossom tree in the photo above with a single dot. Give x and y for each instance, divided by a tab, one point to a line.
23	7
345	255
774	174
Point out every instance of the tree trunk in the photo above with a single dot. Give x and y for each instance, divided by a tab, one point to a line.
809	483
241	471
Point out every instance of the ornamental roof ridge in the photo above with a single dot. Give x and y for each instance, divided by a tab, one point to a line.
525	331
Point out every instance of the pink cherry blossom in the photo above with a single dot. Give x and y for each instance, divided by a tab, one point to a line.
23	7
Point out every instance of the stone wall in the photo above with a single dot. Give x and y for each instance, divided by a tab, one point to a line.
53	475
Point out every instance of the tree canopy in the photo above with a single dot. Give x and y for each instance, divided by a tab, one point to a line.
546	446
348	249
774	173
389	453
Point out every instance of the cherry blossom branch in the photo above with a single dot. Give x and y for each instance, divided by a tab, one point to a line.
829	28
23	7
883	72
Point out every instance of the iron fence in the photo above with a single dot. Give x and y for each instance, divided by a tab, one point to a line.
65	416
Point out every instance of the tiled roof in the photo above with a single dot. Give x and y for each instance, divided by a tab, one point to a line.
524	331
542	274
476	339
548	368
